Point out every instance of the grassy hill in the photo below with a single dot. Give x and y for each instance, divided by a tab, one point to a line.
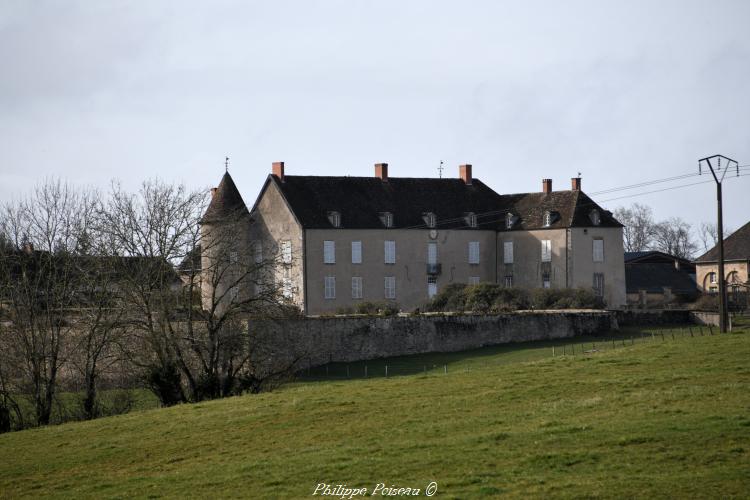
656	419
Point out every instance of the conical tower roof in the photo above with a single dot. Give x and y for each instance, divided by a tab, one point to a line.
226	203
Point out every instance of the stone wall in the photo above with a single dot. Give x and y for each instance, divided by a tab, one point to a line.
644	317
318	341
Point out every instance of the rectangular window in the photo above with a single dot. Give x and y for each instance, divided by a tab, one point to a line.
390	287
598	250
329	252
258	252
286	288
432	253
387	219
546	250
545	280
508	252
599	284
356	252
473	252
286	252
390	252
473	280
330	287
356	287
431	286
508	281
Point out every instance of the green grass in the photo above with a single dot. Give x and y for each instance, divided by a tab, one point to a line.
656	419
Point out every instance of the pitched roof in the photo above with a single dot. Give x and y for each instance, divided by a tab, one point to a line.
361	200
226	202
655	277
736	247
573	209
656	257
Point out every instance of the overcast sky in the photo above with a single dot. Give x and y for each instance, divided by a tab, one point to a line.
622	92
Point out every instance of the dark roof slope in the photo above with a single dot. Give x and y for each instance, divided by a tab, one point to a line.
360	200
655	277
736	247
656	257
226	202
572	207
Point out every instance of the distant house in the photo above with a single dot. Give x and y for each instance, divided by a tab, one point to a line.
736	264
655	278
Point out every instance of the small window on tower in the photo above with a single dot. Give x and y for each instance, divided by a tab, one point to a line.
335	218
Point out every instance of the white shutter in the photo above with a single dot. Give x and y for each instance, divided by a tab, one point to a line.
390	252
329	252
286	252
356	252
330	287
356	287
432	253
546	250
473	280
258	252
508	252
598	250
390	287
473	252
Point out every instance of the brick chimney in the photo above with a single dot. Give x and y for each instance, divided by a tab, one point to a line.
575	183
464	171
546	185
277	169
381	171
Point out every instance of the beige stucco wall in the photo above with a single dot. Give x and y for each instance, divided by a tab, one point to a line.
409	270
702	270
582	266
273	223
527	257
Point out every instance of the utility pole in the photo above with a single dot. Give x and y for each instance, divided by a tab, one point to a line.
720	227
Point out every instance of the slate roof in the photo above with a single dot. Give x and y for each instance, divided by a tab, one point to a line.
657	257
360	201
654	277
226	202
736	247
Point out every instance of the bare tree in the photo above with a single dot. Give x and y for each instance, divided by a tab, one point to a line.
709	235
673	236
640	229
196	327
39	285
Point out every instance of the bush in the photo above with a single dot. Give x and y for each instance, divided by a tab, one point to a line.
384	308
706	303
493	298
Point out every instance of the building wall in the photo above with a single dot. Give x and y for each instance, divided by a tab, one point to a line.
527	268
409	270
703	269
582	266
224	262
274	223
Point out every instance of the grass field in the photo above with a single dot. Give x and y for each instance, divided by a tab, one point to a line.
661	418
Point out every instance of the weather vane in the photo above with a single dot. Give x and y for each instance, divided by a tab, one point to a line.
226	164
440	169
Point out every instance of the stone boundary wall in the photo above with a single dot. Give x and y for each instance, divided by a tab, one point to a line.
317	341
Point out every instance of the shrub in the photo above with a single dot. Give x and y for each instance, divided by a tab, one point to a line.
492	298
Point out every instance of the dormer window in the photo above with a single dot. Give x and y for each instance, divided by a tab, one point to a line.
335	219
471	219
429	219
550	216
387	219
595	217
510	220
